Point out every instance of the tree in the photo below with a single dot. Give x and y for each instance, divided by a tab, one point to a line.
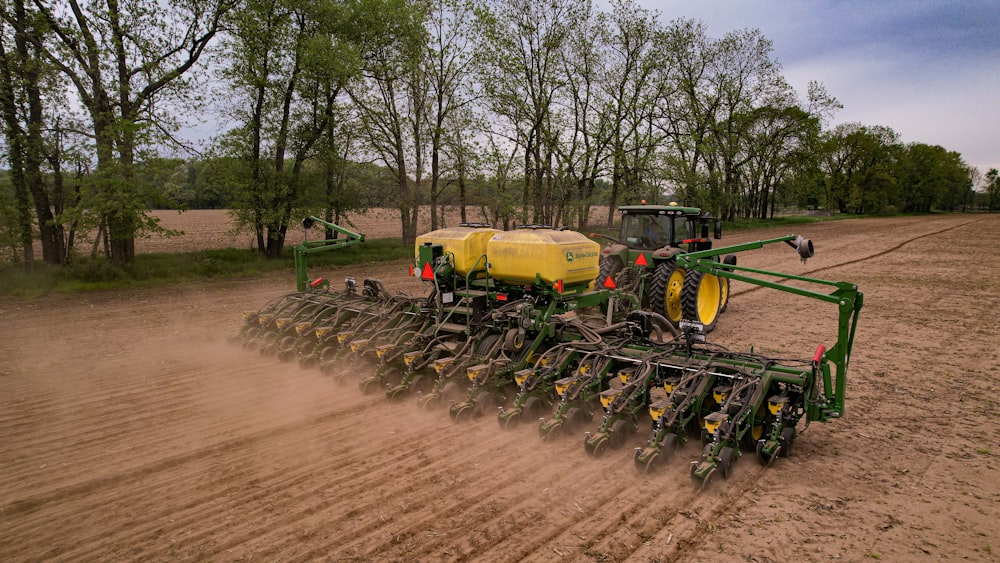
993	189
391	95
635	78
519	58
286	67
126	62
931	177
448	64
859	163
16	149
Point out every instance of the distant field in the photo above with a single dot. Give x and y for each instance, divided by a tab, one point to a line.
209	229
214	228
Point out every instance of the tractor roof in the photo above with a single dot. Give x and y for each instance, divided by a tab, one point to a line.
658	210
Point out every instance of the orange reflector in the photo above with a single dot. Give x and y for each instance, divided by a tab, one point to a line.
315	283
559	286
427	273
641	260
411	270
609	283
690	240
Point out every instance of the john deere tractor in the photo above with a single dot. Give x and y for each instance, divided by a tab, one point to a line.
643	262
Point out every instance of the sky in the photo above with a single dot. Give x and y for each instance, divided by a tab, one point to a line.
929	69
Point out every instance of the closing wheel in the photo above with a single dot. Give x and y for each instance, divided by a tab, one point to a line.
616	436
701	298
669	447
421	384
666	290
485	402
763	457
392	377
596	449
451	393
532	408
726	458
573	420
651	464
787	439
369	385
461	414
511	420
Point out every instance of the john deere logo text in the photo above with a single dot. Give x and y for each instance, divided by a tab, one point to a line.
570	256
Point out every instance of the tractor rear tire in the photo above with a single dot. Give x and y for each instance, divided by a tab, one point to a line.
730	259
666	290
701	299
610	265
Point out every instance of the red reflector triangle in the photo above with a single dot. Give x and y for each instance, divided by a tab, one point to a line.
609	283
641	260
427	273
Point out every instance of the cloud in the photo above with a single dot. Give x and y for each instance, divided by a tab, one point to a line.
927	68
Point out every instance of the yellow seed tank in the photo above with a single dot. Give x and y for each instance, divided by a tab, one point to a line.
467	244
517	256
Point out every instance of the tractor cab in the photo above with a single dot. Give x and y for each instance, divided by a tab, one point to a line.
649	227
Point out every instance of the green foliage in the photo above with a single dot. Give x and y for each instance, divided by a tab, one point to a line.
993	189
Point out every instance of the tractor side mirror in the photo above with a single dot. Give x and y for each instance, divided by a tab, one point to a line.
718	229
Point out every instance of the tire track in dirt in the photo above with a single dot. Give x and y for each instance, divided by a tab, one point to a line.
526	474
113	428
388	482
30	504
866	258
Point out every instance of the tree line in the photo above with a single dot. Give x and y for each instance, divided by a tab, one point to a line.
515	111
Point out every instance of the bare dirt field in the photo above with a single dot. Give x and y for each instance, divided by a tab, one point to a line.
131	430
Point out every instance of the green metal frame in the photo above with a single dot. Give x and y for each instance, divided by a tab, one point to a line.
311	247
845	295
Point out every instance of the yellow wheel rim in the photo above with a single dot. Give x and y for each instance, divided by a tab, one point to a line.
675	286
709	292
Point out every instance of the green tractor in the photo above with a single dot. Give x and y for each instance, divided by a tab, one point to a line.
643	262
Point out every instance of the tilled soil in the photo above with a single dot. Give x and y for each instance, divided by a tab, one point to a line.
130	429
